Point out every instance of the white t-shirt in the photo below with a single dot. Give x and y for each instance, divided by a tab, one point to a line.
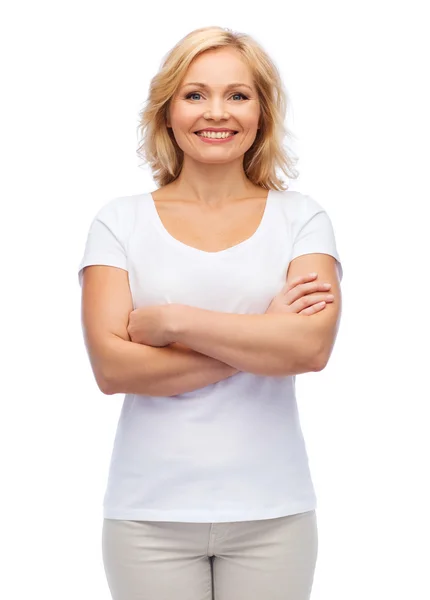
233	450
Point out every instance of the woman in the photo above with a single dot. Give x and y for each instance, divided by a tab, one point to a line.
192	304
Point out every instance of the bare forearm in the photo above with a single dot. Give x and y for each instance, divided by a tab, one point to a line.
269	344
166	371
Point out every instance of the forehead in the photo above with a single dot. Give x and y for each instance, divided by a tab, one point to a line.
219	67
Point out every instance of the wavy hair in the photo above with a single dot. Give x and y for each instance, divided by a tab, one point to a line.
159	148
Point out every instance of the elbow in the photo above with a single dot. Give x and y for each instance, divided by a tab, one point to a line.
324	348
107	390
319	366
105	387
104	364
106	384
320	361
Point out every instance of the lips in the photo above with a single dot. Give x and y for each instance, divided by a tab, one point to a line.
216	131
211	131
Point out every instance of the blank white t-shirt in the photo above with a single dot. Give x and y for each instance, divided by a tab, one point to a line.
233	450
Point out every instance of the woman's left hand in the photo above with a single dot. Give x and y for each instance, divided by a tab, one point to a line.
151	325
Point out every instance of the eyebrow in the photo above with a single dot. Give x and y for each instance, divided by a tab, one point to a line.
203	85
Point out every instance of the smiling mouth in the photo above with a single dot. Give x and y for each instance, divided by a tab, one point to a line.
199	132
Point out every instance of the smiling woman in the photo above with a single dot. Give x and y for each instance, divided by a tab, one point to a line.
224	116
179	314
243	93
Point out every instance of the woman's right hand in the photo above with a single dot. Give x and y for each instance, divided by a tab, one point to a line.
303	296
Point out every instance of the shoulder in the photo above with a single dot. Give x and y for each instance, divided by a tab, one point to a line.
119	205
119	212
297	203
298	208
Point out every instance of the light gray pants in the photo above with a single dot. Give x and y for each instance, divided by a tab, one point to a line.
271	559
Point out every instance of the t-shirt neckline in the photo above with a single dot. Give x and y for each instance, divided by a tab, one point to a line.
244	244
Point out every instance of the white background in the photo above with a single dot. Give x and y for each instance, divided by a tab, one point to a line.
75	76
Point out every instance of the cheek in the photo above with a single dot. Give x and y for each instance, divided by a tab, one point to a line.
253	116
248	118
184	116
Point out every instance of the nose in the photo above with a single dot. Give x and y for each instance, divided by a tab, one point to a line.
216	110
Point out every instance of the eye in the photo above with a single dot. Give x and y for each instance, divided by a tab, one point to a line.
192	94
240	94
198	94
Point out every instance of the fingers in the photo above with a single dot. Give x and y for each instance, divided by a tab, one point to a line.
304	284
303	279
313	309
297	281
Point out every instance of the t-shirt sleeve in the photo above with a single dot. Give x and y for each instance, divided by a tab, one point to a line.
314	232
105	243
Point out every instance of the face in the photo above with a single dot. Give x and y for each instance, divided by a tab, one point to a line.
195	107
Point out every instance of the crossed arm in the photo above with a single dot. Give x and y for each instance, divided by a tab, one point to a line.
210	346
268	344
139	368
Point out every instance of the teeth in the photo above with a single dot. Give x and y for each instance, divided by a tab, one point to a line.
215	134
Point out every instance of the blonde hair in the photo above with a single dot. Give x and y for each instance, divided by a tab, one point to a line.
159	148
